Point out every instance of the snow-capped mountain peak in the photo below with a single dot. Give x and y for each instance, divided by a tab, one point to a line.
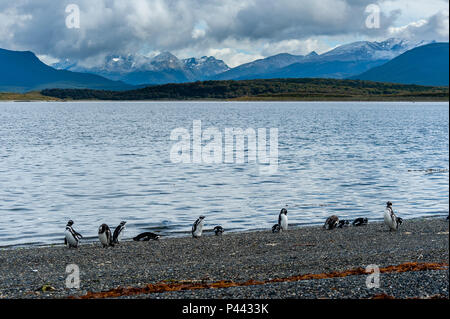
366	50
167	68
204	67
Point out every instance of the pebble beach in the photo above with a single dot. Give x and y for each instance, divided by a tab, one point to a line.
304	262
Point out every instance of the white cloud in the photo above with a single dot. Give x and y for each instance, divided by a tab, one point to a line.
435	27
234	57
9	19
413	10
49	60
235	30
296	47
198	33
200	30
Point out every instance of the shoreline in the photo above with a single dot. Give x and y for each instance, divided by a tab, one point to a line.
187	234
242	258
242	100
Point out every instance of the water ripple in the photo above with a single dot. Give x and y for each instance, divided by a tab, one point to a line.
107	162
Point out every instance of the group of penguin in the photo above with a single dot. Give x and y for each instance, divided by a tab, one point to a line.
197	228
390	219
72	238
107	238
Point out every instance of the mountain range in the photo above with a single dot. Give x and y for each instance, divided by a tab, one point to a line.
138	69
341	62
338	63
23	71
377	61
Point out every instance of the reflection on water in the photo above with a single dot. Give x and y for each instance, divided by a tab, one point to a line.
97	162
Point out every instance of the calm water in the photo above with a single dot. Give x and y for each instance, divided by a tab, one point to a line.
106	162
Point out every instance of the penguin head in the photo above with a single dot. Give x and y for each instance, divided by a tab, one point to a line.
276	228
389	204
102	228
201	217
70	223
218	230
283	211
365	220
122	223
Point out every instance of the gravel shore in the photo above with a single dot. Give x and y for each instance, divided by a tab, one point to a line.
40	272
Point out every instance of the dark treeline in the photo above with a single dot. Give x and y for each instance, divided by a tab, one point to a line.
261	89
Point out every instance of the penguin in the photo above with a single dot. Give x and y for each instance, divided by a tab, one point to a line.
390	219
218	230
360	221
72	238
283	219
276	228
343	223
104	234
197	227
331	222
146	236
118	232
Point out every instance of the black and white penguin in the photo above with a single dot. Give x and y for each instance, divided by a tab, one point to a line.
72	238
331	222
218	230
118	232
360	221
104	234
276	228
390	219
146	236
343	223
283	219
197	227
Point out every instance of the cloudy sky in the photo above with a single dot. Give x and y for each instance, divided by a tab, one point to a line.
236	31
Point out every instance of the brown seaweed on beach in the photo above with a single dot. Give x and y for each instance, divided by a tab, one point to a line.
192	285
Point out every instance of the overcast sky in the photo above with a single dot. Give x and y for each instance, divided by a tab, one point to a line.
236	31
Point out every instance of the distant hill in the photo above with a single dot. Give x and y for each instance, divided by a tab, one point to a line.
393	60
249	70
275	89
137	69
339	63
23	72
424	65
318	69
